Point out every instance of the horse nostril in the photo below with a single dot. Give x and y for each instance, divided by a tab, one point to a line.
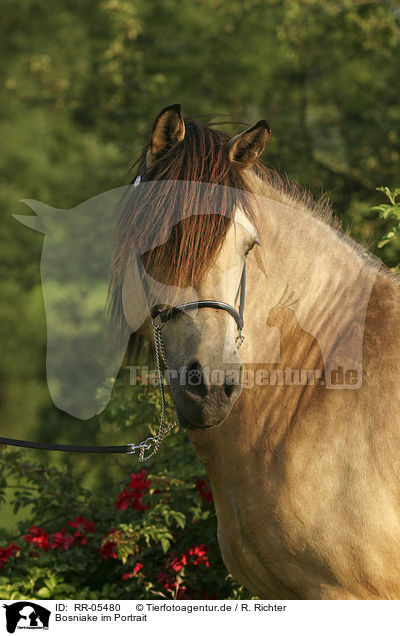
229	389
199	383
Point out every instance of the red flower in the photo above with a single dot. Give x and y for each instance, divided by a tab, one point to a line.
165	581
171	581
136	569
61	540
204	489
108	549
194	556
207	595
128	499
82	524
199	555
65	541
79	538
39	537
132	495
139	482
179	591
6	553
177	564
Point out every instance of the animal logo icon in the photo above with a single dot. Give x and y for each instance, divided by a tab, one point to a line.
298	346
194	377
25	614
280	312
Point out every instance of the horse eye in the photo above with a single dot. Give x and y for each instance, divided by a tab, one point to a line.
251	247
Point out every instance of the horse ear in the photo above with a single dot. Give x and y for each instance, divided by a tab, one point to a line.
168	130
43	212
33	222
244	149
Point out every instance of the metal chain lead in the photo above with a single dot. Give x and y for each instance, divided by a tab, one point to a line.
152	444
239	340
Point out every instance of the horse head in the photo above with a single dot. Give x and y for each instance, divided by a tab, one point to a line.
193	199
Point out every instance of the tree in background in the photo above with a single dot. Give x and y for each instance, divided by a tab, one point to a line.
81	84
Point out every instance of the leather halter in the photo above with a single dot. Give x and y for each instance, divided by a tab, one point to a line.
166	314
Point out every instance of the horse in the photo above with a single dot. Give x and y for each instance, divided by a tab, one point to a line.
304	474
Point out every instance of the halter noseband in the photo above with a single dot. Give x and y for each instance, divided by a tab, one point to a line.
166	314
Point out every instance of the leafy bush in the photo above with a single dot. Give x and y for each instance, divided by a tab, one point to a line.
391	212
153	536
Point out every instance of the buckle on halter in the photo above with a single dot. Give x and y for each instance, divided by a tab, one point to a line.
155	313
162	314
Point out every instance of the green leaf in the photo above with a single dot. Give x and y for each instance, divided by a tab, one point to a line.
386	239
165	544
388	193
179	518
44	592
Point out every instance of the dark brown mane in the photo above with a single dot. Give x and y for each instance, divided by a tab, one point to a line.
177	215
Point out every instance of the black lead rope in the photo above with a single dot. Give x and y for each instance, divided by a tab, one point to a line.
151	443
127	448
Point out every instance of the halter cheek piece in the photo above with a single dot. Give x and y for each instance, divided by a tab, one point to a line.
151	444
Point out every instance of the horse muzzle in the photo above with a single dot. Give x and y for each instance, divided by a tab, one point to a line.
203	397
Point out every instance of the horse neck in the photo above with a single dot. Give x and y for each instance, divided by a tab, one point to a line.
334	285
328	277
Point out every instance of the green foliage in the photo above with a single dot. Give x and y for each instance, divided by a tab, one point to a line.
391	212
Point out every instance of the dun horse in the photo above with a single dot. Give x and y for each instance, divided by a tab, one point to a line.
305	474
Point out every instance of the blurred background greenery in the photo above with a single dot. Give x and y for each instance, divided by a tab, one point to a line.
81	83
